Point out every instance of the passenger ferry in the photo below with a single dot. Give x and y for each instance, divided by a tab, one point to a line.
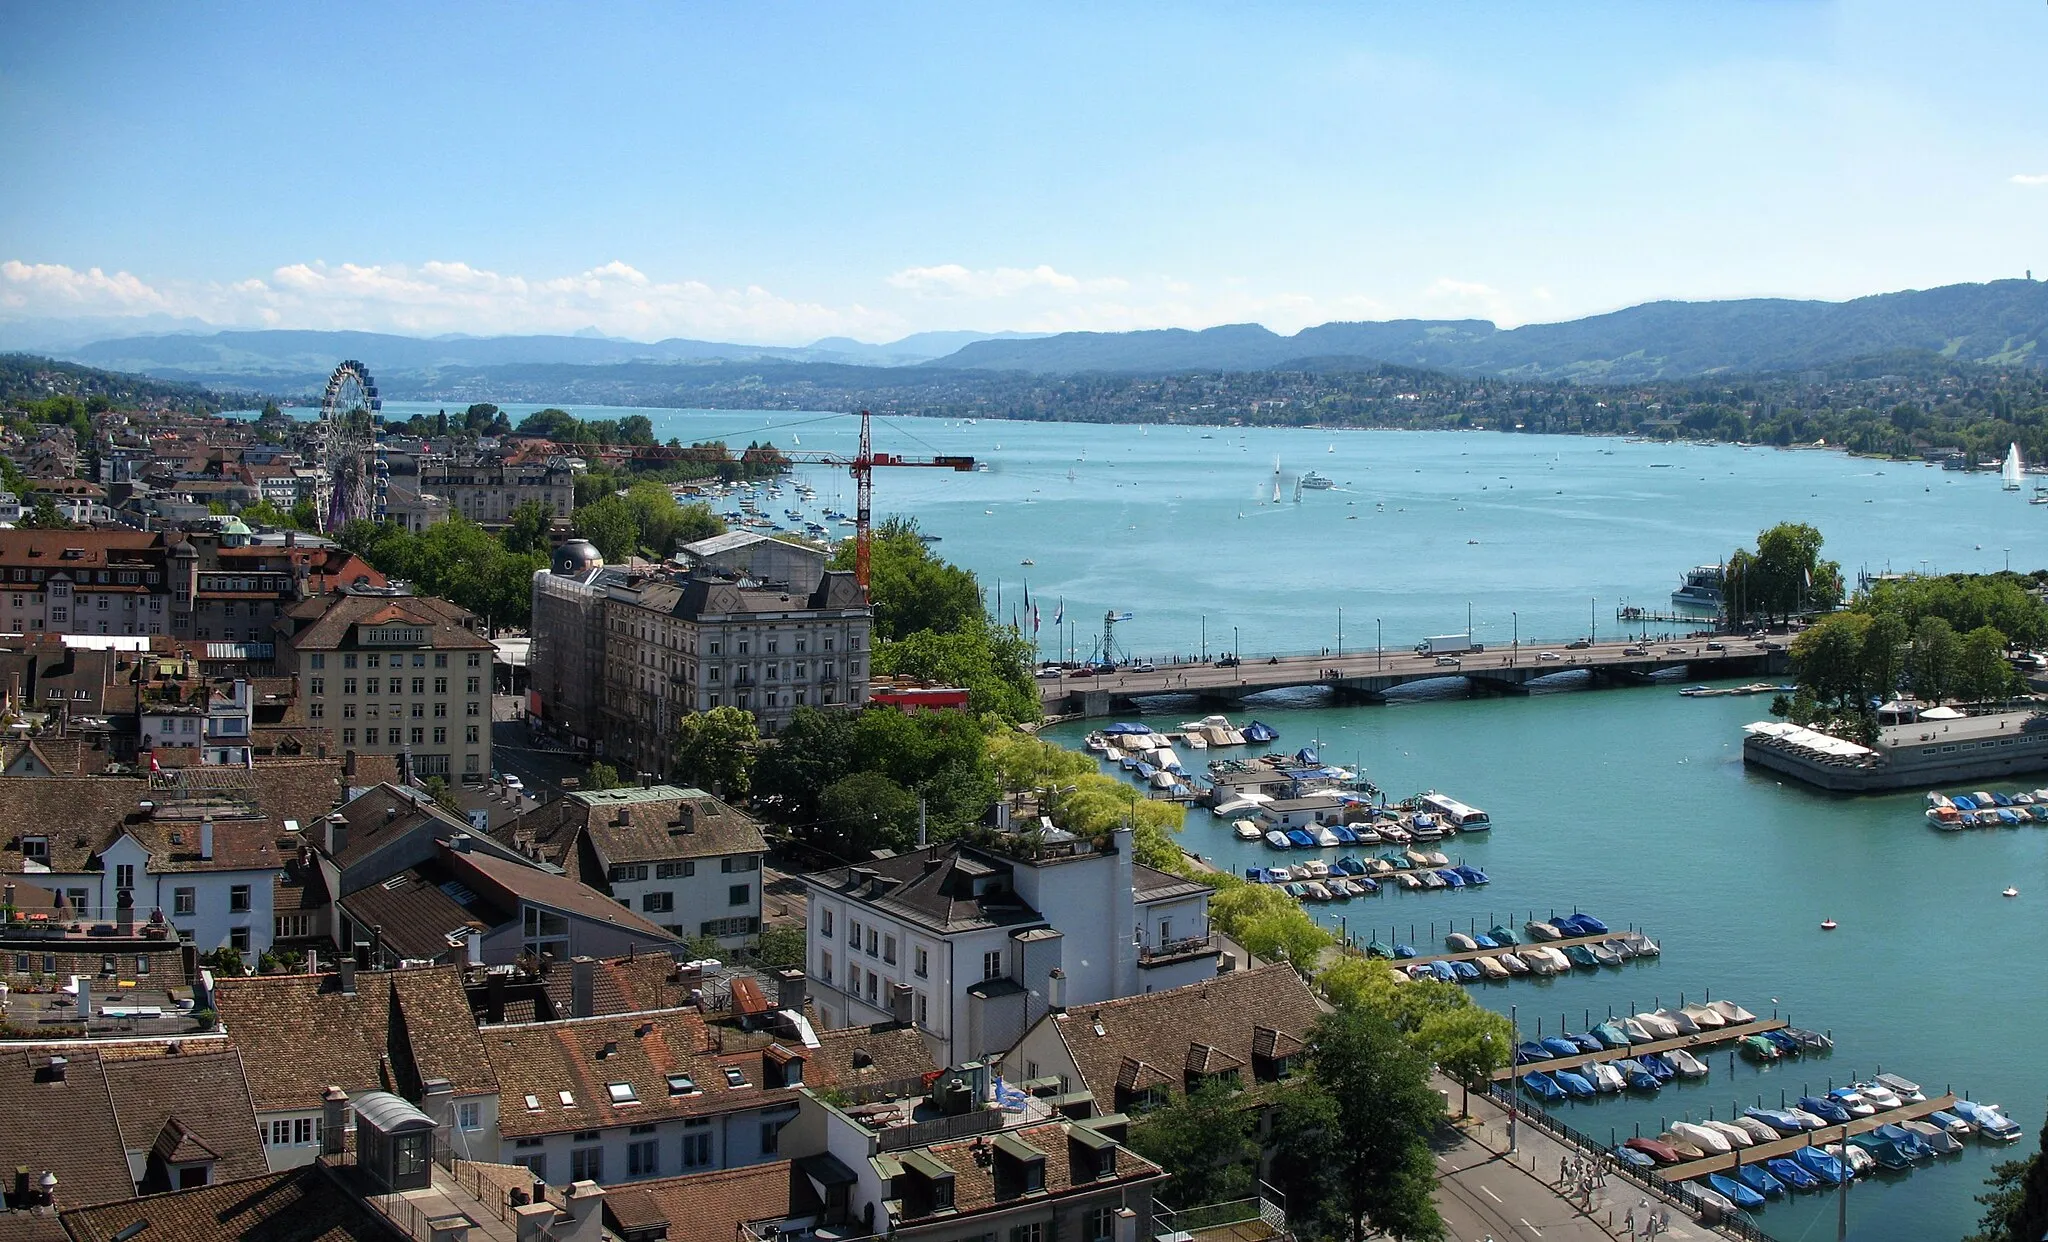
1701	587
1317	483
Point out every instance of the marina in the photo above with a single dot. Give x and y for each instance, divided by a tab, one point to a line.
1838	1133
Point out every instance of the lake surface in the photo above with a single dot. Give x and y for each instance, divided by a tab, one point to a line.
1631	804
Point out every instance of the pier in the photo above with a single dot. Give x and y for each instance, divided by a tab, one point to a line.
1838	1133
1705	1039
1367	677
1468	955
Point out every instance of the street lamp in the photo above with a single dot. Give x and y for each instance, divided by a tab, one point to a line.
1340	631
1517	649
1235	654
1205	636
1593	618
1379	654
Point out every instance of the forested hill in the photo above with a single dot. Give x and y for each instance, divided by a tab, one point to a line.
2004	322
26	378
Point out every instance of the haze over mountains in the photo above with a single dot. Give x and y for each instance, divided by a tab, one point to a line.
2003	322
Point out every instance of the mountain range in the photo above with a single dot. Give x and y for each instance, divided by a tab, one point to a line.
2002	323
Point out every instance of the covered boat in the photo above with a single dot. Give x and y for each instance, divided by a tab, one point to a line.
1759	1179
1792	1173
1245	830
1259	733
1825	1168
1504	936
1687	1065
1278	839
1733	1013
1680	1021
1605	1078
1938	1140
1612	1035
1656	1026
1574	1085
1761	1131
1540	1085
1757	1048
1735	1192
1736	1135
1636	1032
1542	931
1490	968
1512	963
1713	1142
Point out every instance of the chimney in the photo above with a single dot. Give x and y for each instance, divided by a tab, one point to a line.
291	537
624	819
535	1221
475	946
647	780
790	985
333	1120
337	833
348	765
206	839
347	970
494	997
1056	990
899	1003
58	1067
7	900
582	987
585	1199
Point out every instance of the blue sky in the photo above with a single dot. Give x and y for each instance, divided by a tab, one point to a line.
782	172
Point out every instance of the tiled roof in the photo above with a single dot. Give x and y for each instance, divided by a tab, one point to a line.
329	620
1162	1030
299	1033
633	984
545	1059
938	896
704	1207
665	822
858	1054
1152	884
67	1128
415	916
45	549
300	1205
974	1182
204	1093
558	892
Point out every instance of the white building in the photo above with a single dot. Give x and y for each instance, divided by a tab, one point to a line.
975	944
678	857
211	878
214	718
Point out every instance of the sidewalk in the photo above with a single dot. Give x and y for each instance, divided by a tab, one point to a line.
1483	1191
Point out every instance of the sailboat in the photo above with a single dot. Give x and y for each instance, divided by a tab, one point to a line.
1276	480
2011	471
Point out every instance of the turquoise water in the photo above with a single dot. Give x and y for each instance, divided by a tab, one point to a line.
1631	804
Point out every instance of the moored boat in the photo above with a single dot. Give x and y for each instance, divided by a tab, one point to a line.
1687	1065
1735	1192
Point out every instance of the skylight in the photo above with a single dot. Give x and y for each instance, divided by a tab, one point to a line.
681	1084
622	1093
735	1076
568	1098
532	1103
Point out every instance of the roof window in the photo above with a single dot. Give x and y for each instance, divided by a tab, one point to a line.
681	1084
532	1103
568	1098
735	1076
622	1093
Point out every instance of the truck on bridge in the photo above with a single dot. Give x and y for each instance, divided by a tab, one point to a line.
1448	644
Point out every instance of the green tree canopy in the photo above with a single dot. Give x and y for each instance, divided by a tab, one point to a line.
912	589
1784	575
1932	659
867	811
1204	1142
714	750
1269	924
1353	1142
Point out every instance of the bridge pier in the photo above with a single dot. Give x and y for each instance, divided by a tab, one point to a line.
1500	686
1352	692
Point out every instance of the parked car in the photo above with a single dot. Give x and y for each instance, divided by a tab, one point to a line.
513	783
1142	666
1229	661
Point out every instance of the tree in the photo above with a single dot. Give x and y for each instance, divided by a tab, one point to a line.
1354	1154
913	590
715	750
1828	658
812	751
600	777
611	525
2015	1202
1204	1142
780	947
43	515
992	664
444	797
1467	1043
530	528
1269	924
1884	654
1982	671
1783	576
1932	659
865	812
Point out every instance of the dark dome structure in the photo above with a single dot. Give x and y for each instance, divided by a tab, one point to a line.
577	555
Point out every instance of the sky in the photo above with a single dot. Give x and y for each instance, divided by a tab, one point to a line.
777	173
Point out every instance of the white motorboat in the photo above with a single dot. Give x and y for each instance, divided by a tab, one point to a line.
1642	945
1366	834
1859	1161
1324	838
1512	963
1245	830
1657	1026
1705	1018
1732	1013
1637	1033
1687	1065
1878	1095
1194	741
1905	1088
1278	840
1853	1100
1395	834
1680	1021
1458	942
1758	1130
1315	868
1490	968
1097	744
1711	1141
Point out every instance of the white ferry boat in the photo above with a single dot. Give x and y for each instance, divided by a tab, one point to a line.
1317	483
1701	587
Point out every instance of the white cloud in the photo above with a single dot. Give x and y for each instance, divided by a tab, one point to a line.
950	280
1471	297
2030	178
443	296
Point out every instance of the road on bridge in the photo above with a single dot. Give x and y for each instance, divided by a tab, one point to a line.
1405	665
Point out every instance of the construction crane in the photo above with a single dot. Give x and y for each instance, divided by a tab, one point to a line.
862	465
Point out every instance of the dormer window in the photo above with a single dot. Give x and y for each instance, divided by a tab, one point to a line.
36	849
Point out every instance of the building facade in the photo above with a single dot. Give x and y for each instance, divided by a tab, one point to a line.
394	674
487	491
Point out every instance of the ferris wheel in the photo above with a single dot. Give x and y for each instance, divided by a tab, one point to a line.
351	482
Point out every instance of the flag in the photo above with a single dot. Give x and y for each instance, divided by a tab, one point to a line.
1059	610
1034	620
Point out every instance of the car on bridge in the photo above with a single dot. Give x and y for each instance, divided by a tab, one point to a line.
1229	661
1141	666
1449	662
1634	651
1546	655
1578	645
1717	646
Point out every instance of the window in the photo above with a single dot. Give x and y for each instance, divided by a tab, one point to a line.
825	923
992	964
373	661
696	1150
348	711
184	901
473	683
238	939
318	685
923	967
419	685
371	684
474	660
923	1010
469	1115
470	734
586	1164
440	736
440	711
674	870
238	899
440	685
394	737
1029	1233
853	932
36	848
873	986
348	737
317	660
419	737
349	660
419	712
643	1158
735	1076
739	894
874	941
771	1137
681	1084
348	684
317	711
657	903
124	875
1098	1225
303	1129
622	1093
825	965
889	949
441	659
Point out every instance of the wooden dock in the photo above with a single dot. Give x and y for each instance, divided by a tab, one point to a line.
1793	1142
1466	955
1705	1039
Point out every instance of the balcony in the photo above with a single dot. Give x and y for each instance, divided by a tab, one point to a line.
1168	952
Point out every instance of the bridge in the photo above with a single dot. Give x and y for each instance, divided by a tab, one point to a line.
1366	677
